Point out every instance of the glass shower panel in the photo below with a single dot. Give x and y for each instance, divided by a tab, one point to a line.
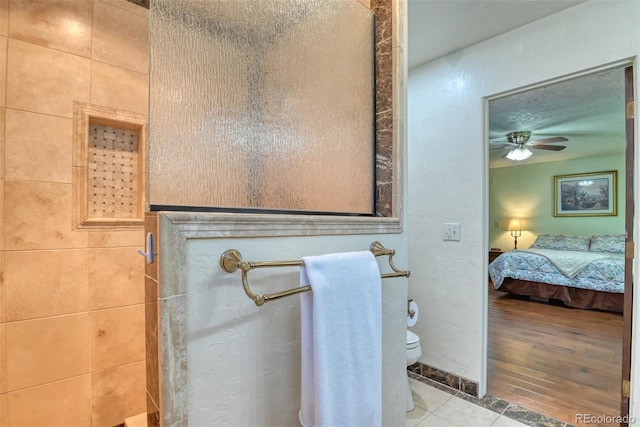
265	105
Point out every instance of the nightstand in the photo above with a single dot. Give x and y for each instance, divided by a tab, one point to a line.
493	255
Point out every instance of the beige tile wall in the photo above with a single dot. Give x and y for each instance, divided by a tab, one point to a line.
4	30
72	302
26	158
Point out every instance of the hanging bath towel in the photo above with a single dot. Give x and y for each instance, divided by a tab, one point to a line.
341	341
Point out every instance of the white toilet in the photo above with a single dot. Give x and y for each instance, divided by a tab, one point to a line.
414	351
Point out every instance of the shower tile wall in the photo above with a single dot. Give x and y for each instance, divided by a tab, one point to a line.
72	343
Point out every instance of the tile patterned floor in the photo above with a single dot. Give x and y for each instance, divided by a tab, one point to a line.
439	406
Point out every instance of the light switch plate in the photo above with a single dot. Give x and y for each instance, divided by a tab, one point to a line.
451	231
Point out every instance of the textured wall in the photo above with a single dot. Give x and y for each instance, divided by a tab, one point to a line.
447	167
526	191
241	356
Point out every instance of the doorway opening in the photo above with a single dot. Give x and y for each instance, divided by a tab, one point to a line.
542	353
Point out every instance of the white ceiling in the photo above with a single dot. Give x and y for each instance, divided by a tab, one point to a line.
589	111
439	27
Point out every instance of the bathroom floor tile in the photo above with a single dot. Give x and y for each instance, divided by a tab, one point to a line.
416	416
435	407
460	412
503	421
428	398
435	421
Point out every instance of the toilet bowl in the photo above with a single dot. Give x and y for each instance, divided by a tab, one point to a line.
414	351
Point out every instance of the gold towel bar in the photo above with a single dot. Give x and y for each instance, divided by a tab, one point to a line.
231	260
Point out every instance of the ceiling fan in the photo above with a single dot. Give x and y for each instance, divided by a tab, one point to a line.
519	145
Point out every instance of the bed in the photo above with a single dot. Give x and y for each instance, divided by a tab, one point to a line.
582	272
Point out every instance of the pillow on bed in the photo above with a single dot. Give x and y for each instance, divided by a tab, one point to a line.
613	243
561	242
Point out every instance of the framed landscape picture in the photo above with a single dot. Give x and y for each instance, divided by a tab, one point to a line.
585	194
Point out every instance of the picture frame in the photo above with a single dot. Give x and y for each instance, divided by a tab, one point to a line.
586	194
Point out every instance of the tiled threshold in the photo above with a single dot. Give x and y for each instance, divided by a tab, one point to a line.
455	386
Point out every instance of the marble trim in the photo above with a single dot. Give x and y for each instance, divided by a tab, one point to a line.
497	405
451	381
142	3
216	225
172	324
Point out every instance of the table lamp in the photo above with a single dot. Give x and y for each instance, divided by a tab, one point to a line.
515	227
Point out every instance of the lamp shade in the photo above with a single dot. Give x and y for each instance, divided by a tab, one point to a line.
518	154
515	224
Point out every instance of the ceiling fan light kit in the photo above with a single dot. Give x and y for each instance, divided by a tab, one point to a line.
519	145
519	138
518	154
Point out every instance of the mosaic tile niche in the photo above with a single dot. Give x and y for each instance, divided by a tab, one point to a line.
109	170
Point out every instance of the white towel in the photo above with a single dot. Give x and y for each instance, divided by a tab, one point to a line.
341	322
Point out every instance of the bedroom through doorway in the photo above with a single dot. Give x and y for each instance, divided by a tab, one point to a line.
560	161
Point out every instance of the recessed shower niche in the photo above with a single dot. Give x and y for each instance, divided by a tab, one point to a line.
109	172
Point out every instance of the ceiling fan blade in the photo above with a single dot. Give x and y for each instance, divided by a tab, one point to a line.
548	147
501	147
550	140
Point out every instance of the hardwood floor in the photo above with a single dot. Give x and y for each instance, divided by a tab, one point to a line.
554	360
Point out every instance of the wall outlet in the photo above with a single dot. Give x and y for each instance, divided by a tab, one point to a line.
451	231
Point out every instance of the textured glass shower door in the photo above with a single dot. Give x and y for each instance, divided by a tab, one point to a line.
262	105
